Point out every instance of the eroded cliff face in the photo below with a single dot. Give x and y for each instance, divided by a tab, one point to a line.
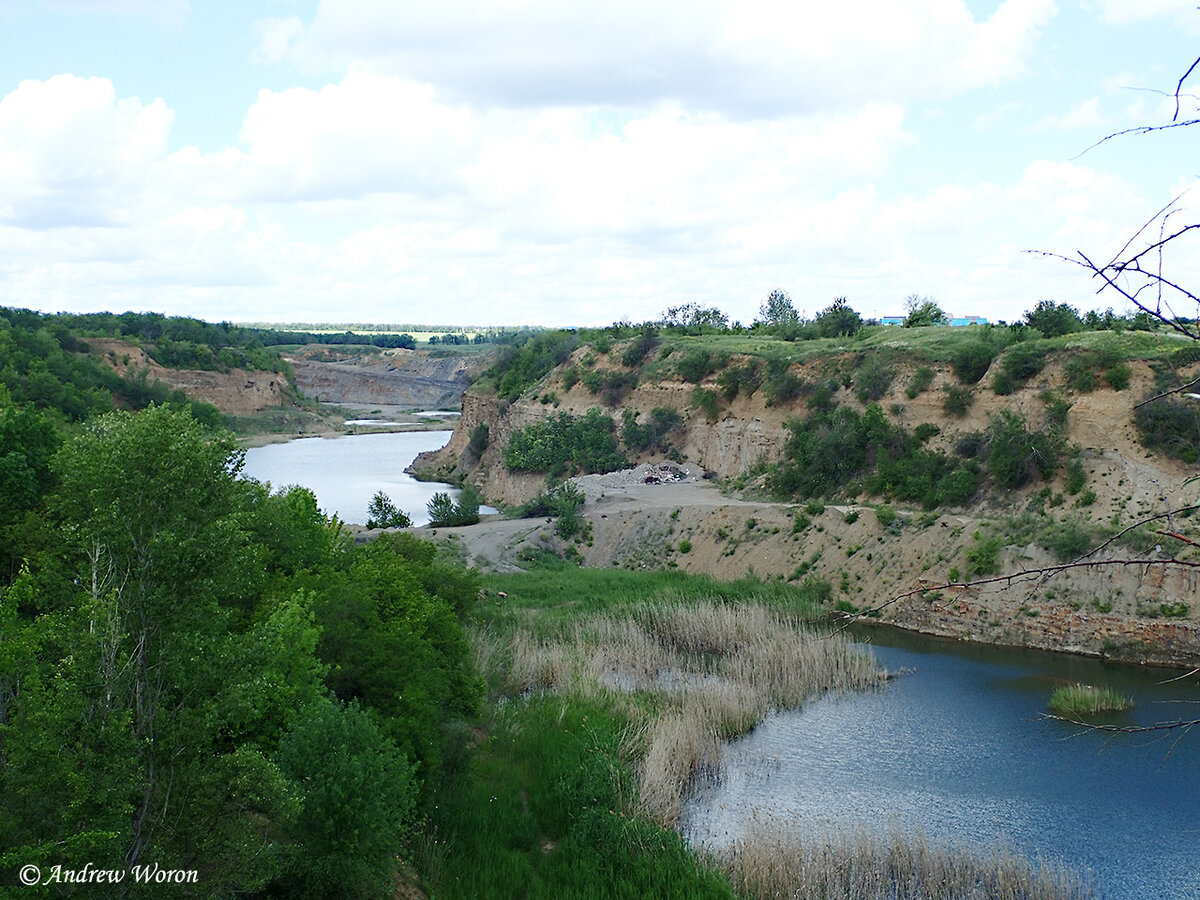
1137	612
238	392
404	378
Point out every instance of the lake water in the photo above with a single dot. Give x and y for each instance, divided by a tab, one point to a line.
346	472
958	748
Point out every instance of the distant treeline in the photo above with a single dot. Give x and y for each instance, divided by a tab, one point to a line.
273	337
175	342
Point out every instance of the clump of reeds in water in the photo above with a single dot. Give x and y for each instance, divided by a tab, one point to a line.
1075	700
708	670
772	862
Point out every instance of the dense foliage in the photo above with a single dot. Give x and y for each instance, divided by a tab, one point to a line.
564	444
272	337
520	366
831	450
43	364
172	341
1171	427
201	674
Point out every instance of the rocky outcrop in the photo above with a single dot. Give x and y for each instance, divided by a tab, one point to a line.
392	377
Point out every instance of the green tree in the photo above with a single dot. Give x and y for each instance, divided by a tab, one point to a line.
358	794
777	311
383	513
153	527
1053	320
446	513
923	311
838	320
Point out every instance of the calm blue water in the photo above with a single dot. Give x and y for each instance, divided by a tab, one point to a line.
957	748
346	472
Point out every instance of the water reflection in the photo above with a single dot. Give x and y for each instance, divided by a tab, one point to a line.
960	748
346	472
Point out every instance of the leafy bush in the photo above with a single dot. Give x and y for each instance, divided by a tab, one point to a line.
1068	539
696	365
519	368
984	557
1171	427
564	444
921	381
736	379
1002	383
566	501
872	379
640	348
1015	454
838	320
1080	374
1053	320
972	360
923	312
479	440
885	514
821	396
958	400
383	513
650	436
830	450
358	798
1057	409
1118	377
445	513
1023	361
1076	476
611	384
781	384
707	400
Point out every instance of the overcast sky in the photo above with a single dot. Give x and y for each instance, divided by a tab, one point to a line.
553	162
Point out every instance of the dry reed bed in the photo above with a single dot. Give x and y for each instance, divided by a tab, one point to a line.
712	671
690	674
774	863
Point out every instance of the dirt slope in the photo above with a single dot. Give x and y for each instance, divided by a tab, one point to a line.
238	392
1114	610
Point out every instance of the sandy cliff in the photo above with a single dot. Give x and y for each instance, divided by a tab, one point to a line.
1115	610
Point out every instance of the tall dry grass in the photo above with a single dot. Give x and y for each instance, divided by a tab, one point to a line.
773	862
691	673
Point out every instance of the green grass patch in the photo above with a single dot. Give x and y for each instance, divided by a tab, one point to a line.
537	810
1077	700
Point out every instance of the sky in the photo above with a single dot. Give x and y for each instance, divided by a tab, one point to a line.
551	162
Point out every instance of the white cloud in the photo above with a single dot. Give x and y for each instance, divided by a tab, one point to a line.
276	38
71	153
377	198
1085	114
750	58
